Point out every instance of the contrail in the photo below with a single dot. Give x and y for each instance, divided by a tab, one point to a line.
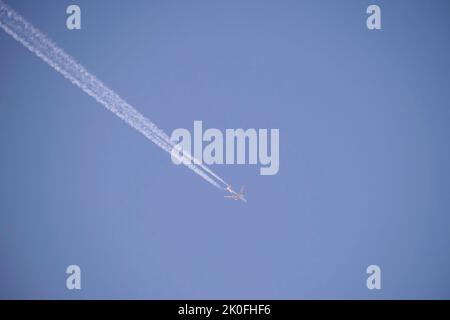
38	43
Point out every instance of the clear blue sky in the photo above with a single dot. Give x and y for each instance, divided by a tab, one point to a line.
364	119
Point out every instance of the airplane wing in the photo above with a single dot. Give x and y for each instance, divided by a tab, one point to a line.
242	190
231	197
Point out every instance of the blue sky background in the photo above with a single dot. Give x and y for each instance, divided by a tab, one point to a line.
364	154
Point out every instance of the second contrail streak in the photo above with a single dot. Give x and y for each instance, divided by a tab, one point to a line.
38	43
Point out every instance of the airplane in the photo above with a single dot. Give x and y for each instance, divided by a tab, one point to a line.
236	195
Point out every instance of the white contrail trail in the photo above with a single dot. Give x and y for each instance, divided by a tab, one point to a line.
38	43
